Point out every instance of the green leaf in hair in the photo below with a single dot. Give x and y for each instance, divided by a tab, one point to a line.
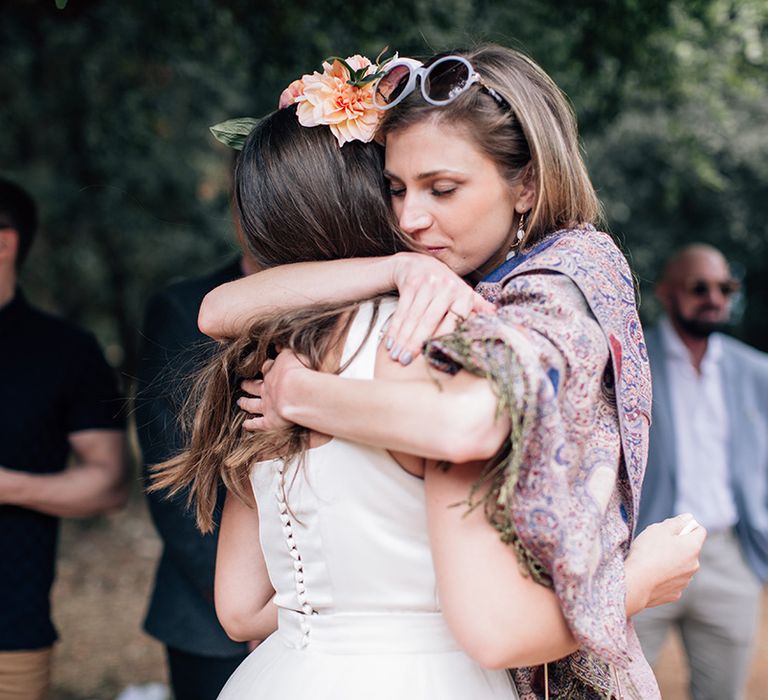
368	79
234	132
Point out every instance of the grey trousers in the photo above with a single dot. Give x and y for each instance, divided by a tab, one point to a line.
717	617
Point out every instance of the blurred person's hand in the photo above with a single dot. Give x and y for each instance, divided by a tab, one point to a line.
662	560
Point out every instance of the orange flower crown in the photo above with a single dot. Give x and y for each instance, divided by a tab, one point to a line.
340	97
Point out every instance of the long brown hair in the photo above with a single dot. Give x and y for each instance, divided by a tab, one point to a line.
298	197
537	138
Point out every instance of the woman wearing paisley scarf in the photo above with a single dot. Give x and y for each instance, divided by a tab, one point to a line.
487	178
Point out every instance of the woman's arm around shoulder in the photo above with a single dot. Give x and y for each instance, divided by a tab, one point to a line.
428	290
228	310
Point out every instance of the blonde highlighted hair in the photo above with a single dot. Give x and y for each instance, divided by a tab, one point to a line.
536	139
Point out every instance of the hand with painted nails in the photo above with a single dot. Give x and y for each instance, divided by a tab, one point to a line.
269	397
433	299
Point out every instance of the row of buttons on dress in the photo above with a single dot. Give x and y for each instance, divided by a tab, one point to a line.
298	566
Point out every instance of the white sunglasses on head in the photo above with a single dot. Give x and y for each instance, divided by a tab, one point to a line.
441	82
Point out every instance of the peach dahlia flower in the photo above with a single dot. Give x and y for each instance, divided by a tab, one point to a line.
327	98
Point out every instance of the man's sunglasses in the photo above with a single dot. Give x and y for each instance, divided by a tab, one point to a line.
441	82
702	288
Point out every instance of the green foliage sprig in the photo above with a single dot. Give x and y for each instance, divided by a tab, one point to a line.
234	132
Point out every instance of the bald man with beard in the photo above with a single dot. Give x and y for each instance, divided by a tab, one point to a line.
708	456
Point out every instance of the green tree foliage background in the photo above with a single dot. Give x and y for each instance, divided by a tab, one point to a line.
106	107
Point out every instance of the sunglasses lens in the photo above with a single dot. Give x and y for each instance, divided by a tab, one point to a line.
446	80
391	85
701	288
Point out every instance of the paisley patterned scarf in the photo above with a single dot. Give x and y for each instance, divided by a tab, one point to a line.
566	356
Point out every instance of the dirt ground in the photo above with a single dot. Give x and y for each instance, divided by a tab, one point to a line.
104	575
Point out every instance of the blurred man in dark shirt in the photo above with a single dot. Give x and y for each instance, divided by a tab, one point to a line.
58	399
181	612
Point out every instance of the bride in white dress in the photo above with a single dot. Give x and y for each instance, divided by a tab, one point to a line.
335	550
345	542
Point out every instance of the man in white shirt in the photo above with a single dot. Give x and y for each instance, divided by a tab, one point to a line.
708	456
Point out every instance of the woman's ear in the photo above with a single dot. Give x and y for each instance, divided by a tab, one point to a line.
526	195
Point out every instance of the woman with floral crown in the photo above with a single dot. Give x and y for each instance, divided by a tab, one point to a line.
344	545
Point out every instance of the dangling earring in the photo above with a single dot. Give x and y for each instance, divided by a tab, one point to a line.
521	228
520	235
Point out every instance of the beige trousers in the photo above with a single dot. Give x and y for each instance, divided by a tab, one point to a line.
25	675
717	618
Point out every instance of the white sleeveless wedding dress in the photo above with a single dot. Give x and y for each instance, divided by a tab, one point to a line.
345	542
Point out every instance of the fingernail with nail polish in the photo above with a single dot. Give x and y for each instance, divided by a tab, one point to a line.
389	342
395	353
406	357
